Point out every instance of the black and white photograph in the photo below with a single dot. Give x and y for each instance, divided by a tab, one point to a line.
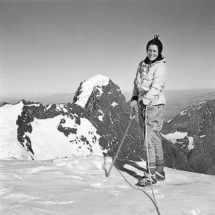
107	107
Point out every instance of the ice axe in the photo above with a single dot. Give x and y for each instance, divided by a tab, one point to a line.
115	157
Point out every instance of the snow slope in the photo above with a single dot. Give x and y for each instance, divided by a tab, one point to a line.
9	145
173	137
77	185
47	141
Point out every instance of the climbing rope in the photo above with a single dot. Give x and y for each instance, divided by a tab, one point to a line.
147	155
147	152
136	188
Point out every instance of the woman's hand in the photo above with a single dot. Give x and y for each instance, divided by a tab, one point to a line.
143	101
133	108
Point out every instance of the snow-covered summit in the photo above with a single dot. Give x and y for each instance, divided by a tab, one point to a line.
78	185
87	87
46	132
29	131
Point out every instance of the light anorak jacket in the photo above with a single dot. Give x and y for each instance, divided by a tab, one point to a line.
149	82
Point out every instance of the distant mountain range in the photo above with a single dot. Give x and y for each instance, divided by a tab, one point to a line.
172	96
184	99
177	100
51	99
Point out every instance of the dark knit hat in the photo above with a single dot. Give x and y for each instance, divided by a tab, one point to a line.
156	42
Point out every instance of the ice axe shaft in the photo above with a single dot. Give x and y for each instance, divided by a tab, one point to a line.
115	157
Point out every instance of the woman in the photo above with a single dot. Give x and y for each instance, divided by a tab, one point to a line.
148	96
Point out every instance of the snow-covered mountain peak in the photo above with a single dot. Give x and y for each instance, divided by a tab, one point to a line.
46	132
87	87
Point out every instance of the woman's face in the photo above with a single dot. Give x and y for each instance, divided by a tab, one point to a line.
152	52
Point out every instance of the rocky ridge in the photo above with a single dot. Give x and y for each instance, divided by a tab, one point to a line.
196	126
107	111
187	138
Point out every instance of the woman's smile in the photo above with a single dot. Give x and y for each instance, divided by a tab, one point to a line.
152	52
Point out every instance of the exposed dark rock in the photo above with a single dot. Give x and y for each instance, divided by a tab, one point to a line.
198	120
174	156
4	103
109	113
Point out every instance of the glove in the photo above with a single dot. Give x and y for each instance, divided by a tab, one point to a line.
133	108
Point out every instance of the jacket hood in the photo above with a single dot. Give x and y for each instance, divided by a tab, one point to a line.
159	58
151	63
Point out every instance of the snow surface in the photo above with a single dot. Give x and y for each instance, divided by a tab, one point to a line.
61	107
46	140
48	146
100	117
88	86
184	112
9	145
170	120
77	185
114	104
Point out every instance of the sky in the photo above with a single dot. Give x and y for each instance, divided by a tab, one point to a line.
50	46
